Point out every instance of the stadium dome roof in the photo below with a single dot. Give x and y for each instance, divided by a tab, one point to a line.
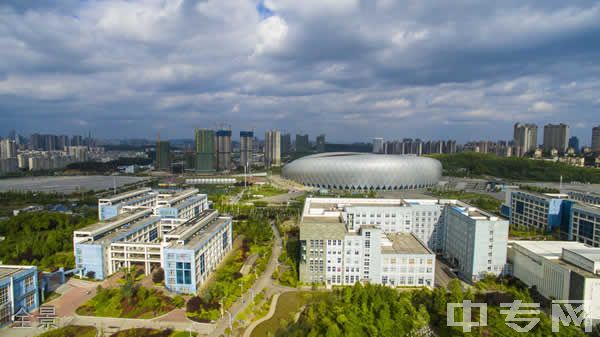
364	171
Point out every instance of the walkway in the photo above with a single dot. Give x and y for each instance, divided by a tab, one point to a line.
264	281
116	324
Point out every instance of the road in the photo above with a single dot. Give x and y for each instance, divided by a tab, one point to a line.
264	281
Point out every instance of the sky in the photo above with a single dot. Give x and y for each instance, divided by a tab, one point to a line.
352	69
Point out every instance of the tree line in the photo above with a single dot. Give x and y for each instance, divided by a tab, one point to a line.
480	164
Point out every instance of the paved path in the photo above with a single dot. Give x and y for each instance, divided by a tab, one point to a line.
264	281
115	324
270	314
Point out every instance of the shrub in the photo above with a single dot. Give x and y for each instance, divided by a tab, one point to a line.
158	276
178	301
193	304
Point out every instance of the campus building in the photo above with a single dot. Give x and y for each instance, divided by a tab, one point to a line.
584	224
560	270
18	291
394	241
113	206
474	241
538	211
178	232
577	215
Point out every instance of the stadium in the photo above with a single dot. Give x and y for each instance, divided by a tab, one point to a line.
364	171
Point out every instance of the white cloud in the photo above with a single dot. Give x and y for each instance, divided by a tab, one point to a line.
542	106
271	35
412	65
392	104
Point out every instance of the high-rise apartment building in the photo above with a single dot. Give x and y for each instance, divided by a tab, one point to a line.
321	143
272	148
574	143
302	143
525	138
596	139
378	145
163	155
246	148
556	136
8	149
205	150
223	150
77	141
286	144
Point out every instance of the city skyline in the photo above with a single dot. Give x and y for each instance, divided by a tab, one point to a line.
349	69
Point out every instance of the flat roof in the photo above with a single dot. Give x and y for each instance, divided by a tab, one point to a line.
474	212
180	195
115	220
188	228
201	235
6	270
549	249
136	226
574	268
590	253
404	243
126	195
317	228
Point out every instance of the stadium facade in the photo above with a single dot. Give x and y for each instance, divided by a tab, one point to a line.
364	171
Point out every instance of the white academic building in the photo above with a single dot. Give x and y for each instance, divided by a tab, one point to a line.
172	229
394	241
560	270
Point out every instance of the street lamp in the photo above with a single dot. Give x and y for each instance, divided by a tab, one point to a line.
230	320
242	292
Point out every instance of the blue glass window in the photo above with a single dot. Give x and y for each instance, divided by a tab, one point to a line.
586	229
520	207
153	234
225	241
183	273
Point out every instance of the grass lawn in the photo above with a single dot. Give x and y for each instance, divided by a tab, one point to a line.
287	307
152	333
483	201
266	190
71	331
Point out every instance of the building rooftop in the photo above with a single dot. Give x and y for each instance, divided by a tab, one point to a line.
403	243
201	235
179	195
549	249
6	270
127	195
188	228
121	232
115	222
316	228
331	206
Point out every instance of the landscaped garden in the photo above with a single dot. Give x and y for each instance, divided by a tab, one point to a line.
287	308
129	300
228	283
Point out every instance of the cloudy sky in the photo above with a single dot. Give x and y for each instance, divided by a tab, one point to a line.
435	69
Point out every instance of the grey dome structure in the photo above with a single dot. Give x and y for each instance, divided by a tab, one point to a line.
364	171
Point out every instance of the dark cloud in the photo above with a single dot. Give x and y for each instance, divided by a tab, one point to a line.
353	69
